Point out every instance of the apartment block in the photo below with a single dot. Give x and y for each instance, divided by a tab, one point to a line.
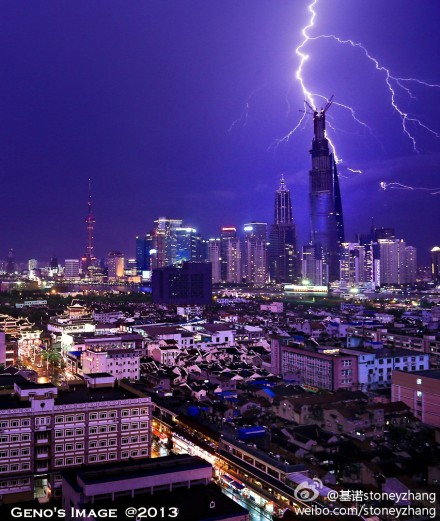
45	429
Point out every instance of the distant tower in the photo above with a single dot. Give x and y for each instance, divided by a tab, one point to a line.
327	225
89	259
283	255
10	262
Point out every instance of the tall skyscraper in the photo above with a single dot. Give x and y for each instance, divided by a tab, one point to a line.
233	260
398	262
89	258
214	257
165	242
327	225
283	251
255	253
226	233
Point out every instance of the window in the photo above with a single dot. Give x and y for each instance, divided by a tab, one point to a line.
14	423
58	434
14	467
112	414
69	432
134	453
123	455
25	423
69	461
134	439
25	437
92	444
59	419
143	425
79	432
135	425
69	419
25	452
80	417
79	460
3	454
124	441
125	426
69	446
134	412
103	415
3	424
93	416
79	446
112	441
25	466
3	468
3	439
14	437
112	455
93	430
58	448
14	453
103	443
92	459
125	412
102	457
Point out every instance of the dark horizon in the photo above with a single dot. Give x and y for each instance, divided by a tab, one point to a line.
172	109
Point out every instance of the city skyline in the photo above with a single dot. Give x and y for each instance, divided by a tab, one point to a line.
181	117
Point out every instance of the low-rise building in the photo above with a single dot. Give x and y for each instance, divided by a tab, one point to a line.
45	429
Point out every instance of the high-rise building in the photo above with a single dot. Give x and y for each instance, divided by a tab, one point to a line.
144	246
214	257
410	264
327	225
165	242
398	262
283	251
435	263
255	253
233	260
71	268
115	264
226	233
356	265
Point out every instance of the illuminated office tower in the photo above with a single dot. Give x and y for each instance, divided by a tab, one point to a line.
410	265
233	260
115	263
226	233
255	253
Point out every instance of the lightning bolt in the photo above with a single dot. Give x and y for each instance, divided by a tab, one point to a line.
389	80
244	117
400	186
393	83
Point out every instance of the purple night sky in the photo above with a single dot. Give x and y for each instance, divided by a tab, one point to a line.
172	109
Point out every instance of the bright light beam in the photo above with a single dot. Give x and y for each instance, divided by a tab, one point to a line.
400	186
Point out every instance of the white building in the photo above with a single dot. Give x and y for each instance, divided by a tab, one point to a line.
120	363
375	367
